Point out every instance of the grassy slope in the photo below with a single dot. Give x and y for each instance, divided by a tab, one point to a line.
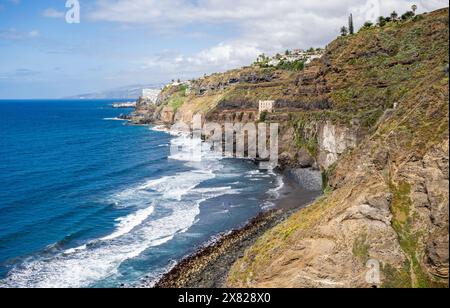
219	90
358	79
401	63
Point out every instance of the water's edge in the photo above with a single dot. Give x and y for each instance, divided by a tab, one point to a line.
127	207
208	267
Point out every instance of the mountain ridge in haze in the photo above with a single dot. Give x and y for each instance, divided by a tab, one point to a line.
125	92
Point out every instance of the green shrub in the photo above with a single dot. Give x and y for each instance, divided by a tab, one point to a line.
382	21
296	66
368	25
408	15
263	116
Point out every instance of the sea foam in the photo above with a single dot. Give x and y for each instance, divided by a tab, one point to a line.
135	233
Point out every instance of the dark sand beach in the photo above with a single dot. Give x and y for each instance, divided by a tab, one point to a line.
209	266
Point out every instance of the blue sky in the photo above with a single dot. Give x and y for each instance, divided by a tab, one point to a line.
124	42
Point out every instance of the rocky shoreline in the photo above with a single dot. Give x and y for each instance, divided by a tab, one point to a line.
209	266
127	105
380	138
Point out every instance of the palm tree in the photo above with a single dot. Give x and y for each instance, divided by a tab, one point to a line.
414	8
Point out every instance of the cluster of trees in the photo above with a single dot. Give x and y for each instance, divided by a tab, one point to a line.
382	20
297	65
262	61
350	30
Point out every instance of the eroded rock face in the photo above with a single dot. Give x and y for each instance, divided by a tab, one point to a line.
333	141
222	82
143	113
285	159
397	216
437	253
167	115
305	159
330	249
430	193
390	199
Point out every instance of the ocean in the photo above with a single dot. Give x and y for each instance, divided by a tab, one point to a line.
88	201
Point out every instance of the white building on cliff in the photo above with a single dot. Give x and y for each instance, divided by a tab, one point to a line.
150	94
267	106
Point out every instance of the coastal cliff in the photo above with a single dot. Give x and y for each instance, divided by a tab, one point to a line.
388	198
372	115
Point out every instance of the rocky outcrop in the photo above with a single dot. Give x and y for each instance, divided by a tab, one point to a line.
305	159
143	113
221	82
372	116
397	216
167	115
319	143
333	141
385	214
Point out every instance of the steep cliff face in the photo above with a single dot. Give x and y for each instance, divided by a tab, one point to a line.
143	113
330	106
303	107
372	114
334	141
385	144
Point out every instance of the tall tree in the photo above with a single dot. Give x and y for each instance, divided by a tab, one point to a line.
351	28
414	8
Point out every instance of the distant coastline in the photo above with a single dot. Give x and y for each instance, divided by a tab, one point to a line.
126	105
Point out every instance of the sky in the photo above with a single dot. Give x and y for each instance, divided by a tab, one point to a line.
124	42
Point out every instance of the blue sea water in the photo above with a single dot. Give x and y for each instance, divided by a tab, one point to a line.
87	201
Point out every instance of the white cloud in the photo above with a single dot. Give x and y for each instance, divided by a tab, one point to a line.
52	13
181	12
15	35
263	25
218	58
